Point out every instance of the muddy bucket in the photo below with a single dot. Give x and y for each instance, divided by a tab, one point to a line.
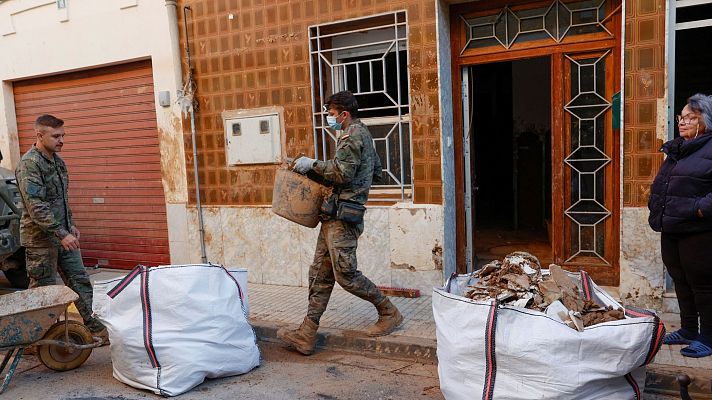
297	198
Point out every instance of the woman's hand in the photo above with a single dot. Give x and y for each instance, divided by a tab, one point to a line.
699	213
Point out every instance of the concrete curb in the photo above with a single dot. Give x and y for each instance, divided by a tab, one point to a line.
664	381
396	347
658	380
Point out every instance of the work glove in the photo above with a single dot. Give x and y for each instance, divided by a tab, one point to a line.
304	164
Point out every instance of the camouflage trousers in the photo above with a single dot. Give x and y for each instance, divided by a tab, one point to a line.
43	264
335	261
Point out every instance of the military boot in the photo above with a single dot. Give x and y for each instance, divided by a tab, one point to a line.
303	338
388	319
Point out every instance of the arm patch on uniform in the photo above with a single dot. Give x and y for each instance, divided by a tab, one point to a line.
35	190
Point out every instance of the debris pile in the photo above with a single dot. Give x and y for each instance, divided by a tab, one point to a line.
518	281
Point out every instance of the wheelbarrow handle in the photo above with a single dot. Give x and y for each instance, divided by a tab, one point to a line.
97	343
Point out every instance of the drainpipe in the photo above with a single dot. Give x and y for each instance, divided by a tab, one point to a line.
188	92
172	12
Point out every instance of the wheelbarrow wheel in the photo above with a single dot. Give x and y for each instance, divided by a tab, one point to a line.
62	358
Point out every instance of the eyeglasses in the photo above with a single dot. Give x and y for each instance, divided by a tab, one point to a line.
686	120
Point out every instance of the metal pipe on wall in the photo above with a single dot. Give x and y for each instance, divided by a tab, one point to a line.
188	92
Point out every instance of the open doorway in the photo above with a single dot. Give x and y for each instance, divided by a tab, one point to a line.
510	148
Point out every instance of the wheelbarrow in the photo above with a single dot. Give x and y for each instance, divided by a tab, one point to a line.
32	317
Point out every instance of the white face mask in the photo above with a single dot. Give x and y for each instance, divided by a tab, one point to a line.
333	124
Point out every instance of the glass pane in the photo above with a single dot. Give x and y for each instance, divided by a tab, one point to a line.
587	131
564	20
550	22
587	108
587	78
587	186
601	241
388	146
512	27
501	29
532	24
584	17
601	77
481	32
574	234
588	242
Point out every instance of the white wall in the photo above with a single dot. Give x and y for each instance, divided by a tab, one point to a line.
401	245
38	39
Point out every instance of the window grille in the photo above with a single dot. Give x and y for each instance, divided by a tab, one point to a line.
369	57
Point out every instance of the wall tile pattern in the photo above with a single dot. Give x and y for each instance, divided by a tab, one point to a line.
255	53
644	85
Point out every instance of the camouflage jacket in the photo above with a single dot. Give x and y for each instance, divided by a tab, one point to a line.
355	166
43	183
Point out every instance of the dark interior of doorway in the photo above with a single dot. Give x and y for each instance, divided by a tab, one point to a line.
692	66
511	103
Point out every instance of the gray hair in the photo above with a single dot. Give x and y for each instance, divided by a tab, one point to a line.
702	104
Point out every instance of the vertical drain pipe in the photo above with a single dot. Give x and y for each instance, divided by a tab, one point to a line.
190	92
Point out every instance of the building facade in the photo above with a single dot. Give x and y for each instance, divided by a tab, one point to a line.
101	67
502	126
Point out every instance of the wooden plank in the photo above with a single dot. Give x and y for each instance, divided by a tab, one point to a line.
456	41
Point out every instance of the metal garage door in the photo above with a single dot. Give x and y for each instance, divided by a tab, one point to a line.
112	152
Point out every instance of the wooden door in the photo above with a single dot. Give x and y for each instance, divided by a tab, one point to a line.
578	35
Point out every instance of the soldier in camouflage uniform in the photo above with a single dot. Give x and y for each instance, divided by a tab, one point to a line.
354	167
46	229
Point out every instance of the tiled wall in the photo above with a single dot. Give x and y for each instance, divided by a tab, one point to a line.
644	85
260	58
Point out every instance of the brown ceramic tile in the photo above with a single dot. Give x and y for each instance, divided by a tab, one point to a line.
646	112
627	198
628	141
235	64
645	57
647	30
419	172
436	194
644	167
646	6
645	141
645	84
627	167
421	195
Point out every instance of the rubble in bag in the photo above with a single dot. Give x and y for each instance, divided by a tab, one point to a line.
512	281
518	281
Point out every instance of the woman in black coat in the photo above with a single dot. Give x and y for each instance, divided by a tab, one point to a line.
681	208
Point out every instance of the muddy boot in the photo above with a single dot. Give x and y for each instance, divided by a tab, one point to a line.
303	338
388	319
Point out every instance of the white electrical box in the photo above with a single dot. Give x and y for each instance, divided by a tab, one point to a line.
253	139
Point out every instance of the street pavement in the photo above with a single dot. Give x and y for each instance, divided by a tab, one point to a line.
274	306
282	375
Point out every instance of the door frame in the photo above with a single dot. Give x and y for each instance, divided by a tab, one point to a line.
589	43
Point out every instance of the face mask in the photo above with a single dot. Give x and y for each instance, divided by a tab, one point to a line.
331	120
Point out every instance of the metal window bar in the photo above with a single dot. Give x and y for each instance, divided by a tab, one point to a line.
344	73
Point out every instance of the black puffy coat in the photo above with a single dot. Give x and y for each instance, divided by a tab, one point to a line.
683	185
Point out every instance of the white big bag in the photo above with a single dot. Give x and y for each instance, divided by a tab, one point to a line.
172	326
501	352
